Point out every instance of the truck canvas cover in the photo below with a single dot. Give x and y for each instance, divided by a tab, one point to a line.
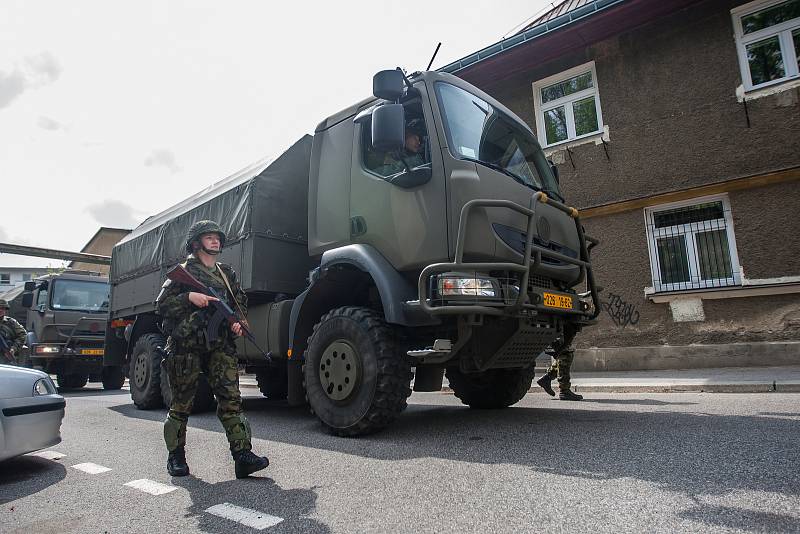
263	210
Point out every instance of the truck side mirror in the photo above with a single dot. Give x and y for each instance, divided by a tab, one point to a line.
30	286
388	84
27	298
388	127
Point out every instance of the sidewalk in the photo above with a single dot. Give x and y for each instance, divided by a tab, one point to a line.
722	380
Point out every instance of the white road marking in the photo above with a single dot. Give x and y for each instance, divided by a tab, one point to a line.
48	455
92	469
244	516
150	486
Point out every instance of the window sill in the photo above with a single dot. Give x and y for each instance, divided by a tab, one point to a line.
755	94
596	138
749	288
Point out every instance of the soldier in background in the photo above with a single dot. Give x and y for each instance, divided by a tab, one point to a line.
189	352
559	369
13	334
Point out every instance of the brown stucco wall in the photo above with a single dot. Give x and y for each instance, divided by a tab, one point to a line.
668	98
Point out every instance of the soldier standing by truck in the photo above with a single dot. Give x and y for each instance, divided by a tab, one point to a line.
13	335
190	352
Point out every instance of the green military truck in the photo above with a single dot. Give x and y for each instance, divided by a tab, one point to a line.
360	267
66	323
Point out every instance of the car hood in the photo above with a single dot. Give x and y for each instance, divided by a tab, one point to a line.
18	381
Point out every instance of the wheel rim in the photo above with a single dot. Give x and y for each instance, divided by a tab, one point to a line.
140	370
339	370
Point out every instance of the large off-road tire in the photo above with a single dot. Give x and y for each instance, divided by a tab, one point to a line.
273	382
204	400
71	380
356	380
113	377
145	372
495	388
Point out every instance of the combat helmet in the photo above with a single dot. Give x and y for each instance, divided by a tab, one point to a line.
203	227
4	304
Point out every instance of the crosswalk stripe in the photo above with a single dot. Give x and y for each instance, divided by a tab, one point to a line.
48	455
244	516
92	469
150	486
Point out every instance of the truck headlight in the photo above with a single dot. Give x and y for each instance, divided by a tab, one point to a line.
466	285
44	386
47	349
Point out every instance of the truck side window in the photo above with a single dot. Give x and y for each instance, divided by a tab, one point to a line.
415	154
41	298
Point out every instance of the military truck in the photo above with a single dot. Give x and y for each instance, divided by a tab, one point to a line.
66	322
359	270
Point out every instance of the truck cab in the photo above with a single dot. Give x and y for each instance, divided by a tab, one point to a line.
66	323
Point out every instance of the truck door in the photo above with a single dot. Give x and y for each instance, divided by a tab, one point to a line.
407	225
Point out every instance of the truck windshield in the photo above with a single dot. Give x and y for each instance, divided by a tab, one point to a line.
477	131
80	295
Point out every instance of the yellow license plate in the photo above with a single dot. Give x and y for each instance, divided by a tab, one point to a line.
552	300
92	352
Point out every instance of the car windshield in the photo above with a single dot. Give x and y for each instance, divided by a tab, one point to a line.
479	132
80	295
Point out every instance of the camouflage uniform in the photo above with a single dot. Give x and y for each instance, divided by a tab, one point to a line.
189	354
560	368
14	334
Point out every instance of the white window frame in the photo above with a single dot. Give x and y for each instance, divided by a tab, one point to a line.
695	281
5	279
580	95
784	33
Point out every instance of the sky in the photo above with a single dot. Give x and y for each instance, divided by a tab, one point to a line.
112	111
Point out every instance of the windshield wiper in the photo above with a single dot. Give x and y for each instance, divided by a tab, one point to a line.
505	171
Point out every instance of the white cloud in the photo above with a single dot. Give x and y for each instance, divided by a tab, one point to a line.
114	213
37	71
46	123
161	157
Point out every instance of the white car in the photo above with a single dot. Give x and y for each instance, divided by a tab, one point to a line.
30	411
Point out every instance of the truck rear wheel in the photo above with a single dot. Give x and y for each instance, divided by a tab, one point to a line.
495	388
145	372
113	377
273	383
356	380
204	400
72	380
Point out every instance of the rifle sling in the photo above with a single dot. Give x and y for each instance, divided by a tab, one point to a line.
233	295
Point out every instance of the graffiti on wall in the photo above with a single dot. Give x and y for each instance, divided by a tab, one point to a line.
621	312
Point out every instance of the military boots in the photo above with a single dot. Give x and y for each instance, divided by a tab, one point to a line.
545	382
246	463
176	463
567	394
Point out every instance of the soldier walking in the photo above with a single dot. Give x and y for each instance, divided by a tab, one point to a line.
185	319
562	355
13	335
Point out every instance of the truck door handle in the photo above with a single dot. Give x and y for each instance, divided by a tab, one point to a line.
358	226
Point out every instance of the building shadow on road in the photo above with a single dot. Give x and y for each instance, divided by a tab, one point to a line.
256	493
739	519
640	402
692	453
26	475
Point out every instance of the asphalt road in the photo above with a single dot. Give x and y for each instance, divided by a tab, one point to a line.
614	463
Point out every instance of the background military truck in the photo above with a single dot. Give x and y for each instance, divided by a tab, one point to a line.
468	264
66	323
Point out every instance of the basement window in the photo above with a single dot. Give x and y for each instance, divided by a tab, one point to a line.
768	42
692	246
568	106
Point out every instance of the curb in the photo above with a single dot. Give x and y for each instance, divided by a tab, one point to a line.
677	388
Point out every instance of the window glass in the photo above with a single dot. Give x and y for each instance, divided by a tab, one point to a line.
585	113
765	60
673	260
567	87
796	40
80	295
5	278
688	215
771	16
714	255
415	153
478	131
41	299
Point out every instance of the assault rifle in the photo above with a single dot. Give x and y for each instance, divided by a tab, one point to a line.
5	345
223	312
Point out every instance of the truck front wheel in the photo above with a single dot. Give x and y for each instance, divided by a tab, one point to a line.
495	388
356	380
72	380
145	372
